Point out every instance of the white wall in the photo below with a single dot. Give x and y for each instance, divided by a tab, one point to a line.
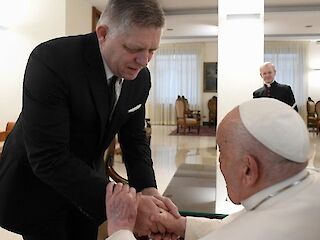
29	23
78	17
314	72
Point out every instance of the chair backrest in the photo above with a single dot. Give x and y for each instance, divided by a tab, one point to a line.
212	104
311	107
317	108
186	104
4	134
9	126
180	108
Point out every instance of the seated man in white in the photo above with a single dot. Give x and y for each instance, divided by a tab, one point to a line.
264	151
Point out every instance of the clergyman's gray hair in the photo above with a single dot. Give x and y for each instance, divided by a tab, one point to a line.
120	15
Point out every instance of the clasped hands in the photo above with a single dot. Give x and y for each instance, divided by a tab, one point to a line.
155	216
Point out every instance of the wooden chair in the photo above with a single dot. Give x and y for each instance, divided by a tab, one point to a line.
109	161
10	126
212	106
191	113
114	149
183	119
4	134
312	117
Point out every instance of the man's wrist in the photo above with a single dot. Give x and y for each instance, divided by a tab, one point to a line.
152	191
112	228
121	234
182	223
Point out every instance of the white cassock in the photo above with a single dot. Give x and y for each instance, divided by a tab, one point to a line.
292	214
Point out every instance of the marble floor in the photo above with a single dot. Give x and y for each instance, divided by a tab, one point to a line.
168	152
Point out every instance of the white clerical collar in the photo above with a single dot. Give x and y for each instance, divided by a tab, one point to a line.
268	84
255	200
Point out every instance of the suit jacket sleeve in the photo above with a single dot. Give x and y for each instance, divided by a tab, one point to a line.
291	100
256	93
132	136
46	125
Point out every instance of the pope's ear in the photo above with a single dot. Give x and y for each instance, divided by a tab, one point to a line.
251	170
102	31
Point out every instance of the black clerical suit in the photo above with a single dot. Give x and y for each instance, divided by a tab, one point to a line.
278	91
51	168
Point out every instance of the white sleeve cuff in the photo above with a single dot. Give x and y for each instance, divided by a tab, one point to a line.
197	227
122	235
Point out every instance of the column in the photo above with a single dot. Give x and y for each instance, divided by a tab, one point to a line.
240	54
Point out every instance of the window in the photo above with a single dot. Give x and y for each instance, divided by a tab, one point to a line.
175	70
290	60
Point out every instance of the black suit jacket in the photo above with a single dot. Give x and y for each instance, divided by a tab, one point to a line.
278	91
52	160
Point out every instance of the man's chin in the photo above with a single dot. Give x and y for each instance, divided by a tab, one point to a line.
131	76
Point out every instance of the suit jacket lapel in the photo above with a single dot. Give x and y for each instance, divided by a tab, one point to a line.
120	112
97	80
121	109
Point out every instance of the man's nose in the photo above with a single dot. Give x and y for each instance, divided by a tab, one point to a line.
143	58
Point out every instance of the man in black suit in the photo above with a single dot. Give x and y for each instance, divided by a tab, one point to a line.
52	184
273	89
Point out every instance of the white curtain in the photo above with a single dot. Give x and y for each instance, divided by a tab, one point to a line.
176	69
291	62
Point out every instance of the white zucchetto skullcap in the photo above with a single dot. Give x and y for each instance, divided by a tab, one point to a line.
278	127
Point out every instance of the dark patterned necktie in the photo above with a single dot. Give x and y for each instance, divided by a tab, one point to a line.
112	90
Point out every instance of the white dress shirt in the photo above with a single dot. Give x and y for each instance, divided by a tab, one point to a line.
118	84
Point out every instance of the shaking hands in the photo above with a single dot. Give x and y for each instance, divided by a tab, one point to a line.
155	216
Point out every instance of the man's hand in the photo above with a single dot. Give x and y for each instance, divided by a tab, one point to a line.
122	204
151	204
174	226
148	206
169	205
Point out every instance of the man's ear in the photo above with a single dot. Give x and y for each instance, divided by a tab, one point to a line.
102	31
250	170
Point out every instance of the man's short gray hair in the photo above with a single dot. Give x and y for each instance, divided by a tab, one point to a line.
268	64
120	15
